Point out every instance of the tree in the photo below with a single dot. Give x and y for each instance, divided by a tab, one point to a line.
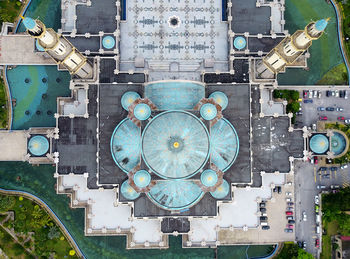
293	107
53	233
294	95
6	203
302	254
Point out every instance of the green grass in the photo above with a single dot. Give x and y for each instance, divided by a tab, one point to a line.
30	217
326	247
3	105
9	10
335	76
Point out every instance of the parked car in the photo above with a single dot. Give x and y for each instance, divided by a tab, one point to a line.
323	168
299	113
290	203
310	93
262	204
340	118
308	101
347	121
341	94
323	118
289	213
290	208
291	221
317	201
288	230
333	93
321	109
344	166
317	208
334	168
330	109
305	94
321	187
279	189
339	109
304	216
315	93
304	245
336	93
328	93
346	94
262	209
288	199
290	218
288	194
317	243
265	227
263	218
326	176
290	226
335	186
319	94
315	160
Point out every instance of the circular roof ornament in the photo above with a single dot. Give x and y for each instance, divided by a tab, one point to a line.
128	192
208	111
174	22
108	42
142	111
142	178
209	178
128	98
221	191
319	144
220	98
321	25
240	42
38	145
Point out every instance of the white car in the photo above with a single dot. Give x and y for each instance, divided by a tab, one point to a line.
315	94
288	194
319	94
347	121
339	109
304	216
288	199
336	93
344	166
317	201
310	94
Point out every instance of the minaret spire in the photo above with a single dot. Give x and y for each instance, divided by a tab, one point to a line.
59	48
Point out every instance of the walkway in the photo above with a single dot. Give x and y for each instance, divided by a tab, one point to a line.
14	145
19	50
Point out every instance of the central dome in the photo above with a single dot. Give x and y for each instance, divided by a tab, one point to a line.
175	145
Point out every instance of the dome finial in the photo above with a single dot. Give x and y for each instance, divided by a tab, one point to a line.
321	24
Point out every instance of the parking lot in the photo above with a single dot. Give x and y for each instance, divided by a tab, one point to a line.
310	114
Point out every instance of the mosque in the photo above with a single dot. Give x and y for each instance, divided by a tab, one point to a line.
170	130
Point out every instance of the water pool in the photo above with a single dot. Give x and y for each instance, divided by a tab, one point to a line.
34	90
338	143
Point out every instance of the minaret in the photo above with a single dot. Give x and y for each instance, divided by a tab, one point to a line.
59	48
291	48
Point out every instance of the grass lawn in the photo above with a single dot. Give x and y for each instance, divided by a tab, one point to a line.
9	10
335	76
331	229
12	249
3	106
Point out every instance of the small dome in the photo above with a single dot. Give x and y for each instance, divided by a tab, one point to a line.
320	25
220	98
209	178
108	42
142	111
128	192
240	43
29	23
319	144
38	46
208	111
222	190
38	145
128	98
142	178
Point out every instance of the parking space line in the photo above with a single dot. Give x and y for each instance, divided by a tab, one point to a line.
315	173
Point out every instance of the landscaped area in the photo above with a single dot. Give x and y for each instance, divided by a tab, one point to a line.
27	231
335	76
292	97
3	106
344	7
9	10
346	129
336	220
291	250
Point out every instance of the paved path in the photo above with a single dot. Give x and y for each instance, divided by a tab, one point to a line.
13	144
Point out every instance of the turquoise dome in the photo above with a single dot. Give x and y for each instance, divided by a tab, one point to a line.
320	25
108	42
319	144
220	98
38	145
29	23
142	111
128	98
128	192
240	43
126	145
208	111
221	191
175	194
209	178
142	178
175	145
38	46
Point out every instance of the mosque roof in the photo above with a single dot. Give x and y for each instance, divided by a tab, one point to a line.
142	178
209	178
221	191
220	98
208	111
240	43
175	144
319	143
38	145
128	192
128	98
142	111
108	42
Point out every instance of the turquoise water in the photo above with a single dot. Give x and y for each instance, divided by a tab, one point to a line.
35	90
319	143
338	143
175	95
325	52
